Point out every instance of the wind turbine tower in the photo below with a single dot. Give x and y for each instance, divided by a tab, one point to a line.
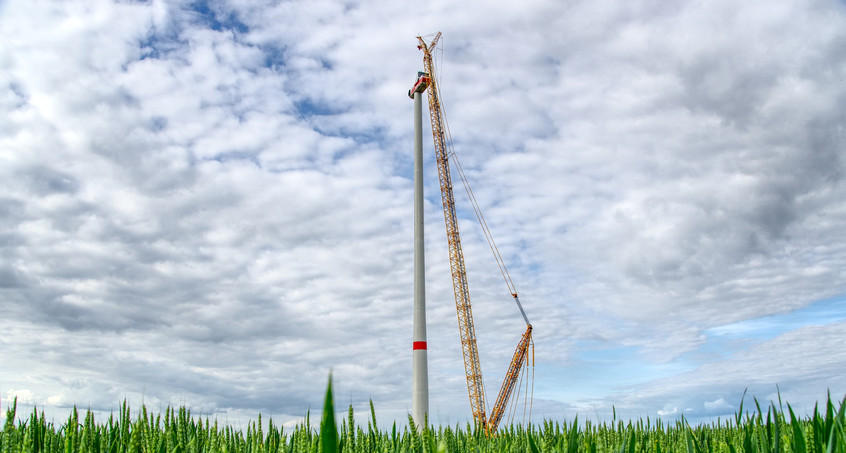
420	367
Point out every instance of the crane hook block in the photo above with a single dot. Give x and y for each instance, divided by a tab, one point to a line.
420	85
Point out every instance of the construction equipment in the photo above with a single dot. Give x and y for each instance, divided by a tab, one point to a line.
472	368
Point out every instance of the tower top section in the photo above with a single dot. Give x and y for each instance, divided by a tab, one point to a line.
420	85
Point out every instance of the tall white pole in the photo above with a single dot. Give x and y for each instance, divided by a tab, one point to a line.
420	367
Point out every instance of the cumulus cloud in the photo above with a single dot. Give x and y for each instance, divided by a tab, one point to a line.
209	202
719	404
796	366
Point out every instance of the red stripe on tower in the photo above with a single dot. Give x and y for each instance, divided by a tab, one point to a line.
419	345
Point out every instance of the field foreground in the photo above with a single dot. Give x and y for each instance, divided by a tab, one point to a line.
176	431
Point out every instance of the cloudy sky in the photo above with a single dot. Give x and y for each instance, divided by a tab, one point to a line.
209	203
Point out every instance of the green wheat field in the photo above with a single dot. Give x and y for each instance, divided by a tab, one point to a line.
176	431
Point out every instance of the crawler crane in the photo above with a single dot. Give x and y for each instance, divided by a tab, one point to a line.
473	371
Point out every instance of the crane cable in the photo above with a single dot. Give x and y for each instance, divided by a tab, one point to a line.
476	209
491	244
481	218
512	410
449	148
532	400
529	395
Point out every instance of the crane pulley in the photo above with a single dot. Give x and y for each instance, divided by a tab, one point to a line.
473	370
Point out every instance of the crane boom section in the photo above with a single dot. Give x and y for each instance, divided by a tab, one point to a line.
511	376
472	368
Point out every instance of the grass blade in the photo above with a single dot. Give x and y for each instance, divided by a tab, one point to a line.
328	429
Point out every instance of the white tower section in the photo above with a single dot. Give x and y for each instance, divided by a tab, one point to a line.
420	367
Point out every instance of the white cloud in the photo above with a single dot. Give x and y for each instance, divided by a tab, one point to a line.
667	411
798	364
23	396
719	404
213	206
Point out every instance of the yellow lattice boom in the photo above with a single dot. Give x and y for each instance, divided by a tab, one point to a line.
472	368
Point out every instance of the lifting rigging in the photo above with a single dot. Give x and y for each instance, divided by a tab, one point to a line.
473	371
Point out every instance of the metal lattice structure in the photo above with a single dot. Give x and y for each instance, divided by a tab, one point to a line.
472	368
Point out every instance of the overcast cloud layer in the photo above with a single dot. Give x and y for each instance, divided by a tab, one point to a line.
209	203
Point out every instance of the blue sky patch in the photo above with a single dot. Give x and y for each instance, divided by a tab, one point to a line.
214	17
822	312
